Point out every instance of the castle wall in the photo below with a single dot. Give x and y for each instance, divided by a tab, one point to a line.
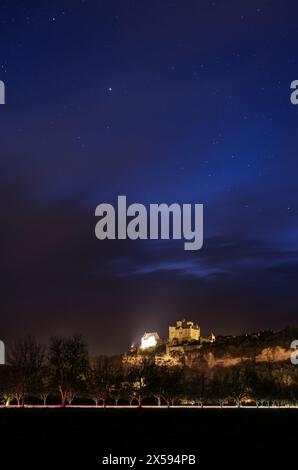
181	333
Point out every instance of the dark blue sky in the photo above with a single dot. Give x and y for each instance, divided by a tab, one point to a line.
164	101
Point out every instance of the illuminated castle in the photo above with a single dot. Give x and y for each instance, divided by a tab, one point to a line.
184	331
184	340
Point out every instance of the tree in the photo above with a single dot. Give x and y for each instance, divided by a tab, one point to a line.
100	380
68	361
171	384
138	378
44	387
6	393
157	382
26	358
195	382
218	388
238	382
118	379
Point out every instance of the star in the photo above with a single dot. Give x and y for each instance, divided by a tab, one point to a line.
110	89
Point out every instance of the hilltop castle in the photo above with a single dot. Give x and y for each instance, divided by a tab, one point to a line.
184	338
184	331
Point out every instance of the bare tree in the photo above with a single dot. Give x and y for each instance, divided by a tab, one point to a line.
218	389
44	387
195	385
26	358
6	392
100	380
68	360
238	382
139	378
172	384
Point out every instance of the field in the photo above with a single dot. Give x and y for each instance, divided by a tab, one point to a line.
84	436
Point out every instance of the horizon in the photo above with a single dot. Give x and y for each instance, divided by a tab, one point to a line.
137	344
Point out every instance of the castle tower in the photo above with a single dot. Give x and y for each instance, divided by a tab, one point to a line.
184	331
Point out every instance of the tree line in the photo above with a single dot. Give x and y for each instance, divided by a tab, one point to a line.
64	372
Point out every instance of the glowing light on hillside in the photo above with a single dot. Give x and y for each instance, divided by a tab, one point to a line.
148	342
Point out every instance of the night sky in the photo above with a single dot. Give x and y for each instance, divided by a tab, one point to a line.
163	101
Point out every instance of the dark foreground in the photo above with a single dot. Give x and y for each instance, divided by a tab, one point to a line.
81	438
